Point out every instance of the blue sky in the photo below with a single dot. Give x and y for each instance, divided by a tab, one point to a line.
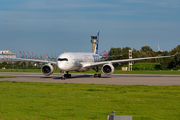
50	26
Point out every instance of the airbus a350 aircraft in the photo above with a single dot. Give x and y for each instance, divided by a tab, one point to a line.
82	62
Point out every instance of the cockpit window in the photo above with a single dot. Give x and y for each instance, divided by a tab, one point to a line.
62	59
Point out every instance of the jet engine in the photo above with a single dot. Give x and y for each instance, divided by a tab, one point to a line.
107	69
47	69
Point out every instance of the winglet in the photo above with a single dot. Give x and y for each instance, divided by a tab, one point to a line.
176	53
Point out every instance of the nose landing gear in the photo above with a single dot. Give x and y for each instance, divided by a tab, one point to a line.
65	75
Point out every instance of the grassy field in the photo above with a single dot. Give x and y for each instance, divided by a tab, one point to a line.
41	101
148	72
7	76
92	71
143	66
20	70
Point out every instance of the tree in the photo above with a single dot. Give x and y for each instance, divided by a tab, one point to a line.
23	64
4	64
9	65
17	64
146	51
30	65
176	61
114	51
165	53
173	51
125	52
136	54
172	63
164	62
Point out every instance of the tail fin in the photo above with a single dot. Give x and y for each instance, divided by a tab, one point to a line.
97	43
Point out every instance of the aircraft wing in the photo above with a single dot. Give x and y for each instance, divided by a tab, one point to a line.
121	61
31	60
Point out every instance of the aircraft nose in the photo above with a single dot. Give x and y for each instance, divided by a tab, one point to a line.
61	66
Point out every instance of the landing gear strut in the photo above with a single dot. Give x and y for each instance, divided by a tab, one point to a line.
97	75
65	75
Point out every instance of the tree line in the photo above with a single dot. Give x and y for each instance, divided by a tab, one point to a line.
20	65
146	51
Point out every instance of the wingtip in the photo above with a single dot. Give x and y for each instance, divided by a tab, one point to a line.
176	53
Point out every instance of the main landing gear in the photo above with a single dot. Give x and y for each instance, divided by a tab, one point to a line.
65	75
97	75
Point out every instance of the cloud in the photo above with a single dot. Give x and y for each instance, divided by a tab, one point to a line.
115	7
40	21
54	5
159	3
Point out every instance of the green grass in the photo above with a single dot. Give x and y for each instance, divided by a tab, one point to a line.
175	72
20	70
41	101
117	71
145	65
7	76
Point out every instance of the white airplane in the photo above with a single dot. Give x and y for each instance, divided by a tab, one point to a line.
81	62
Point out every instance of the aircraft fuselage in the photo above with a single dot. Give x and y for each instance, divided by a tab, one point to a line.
74	61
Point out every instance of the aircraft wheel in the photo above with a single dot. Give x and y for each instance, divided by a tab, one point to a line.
63	78
95	75
69	75
65	75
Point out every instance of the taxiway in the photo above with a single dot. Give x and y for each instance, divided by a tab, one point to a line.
116	79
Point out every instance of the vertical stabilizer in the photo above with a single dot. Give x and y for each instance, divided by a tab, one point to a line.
97	43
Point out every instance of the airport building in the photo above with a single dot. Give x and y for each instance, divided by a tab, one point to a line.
7	53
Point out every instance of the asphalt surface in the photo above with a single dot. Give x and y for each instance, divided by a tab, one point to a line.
116	79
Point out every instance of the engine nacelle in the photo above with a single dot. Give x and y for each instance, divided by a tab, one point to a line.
107	69
47	69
